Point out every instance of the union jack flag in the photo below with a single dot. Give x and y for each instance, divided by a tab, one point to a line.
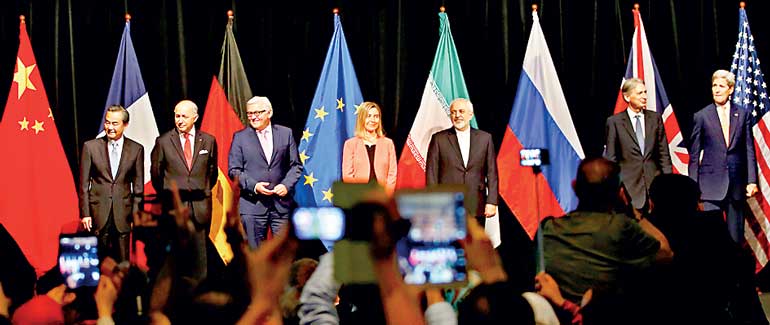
751	92
641	65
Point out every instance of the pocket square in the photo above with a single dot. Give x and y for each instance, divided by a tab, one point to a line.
203	152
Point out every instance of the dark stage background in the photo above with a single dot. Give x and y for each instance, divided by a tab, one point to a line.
392	43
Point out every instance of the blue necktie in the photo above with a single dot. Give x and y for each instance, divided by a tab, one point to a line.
114	159
639	133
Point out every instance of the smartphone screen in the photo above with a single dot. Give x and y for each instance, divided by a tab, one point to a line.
78	261
431	255
324	223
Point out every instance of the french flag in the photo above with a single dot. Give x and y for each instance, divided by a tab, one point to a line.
127	89
539	119
641	65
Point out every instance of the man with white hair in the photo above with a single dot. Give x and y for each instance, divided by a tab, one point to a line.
464	155
264	157
189	157
722	157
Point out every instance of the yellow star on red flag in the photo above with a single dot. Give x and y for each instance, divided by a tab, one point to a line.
21	77
38	127
24	124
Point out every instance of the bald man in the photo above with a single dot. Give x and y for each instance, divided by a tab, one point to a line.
189	157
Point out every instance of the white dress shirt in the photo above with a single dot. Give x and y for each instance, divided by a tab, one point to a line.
192	140
117	146
266	141
632	115
464	139
724	119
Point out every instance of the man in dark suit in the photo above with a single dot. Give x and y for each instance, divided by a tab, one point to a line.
464	155
111	185
264	158
636	140
722	157
189	157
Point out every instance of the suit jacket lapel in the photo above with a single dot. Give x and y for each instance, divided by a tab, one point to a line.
456	145
630	129
275	144
123	156
259	144
733	124
473	147
104	154
197	148
713	117
650	125
178	145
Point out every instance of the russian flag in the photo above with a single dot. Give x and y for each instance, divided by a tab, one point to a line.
127	89
539	119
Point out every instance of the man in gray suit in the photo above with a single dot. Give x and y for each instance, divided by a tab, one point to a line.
637	141
464	155
111	185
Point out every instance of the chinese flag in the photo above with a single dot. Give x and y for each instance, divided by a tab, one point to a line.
37	195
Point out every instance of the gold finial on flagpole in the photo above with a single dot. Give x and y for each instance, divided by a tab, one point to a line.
743	5
22	18
442	9
534	7
230	14
636	6
336	11
128	17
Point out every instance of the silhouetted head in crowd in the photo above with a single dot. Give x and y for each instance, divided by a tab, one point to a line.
495	304
674	193
212	302
675	203
597	184
300	272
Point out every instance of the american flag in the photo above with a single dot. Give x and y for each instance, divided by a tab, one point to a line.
641	65
751	93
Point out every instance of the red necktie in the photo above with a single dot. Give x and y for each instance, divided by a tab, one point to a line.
188	150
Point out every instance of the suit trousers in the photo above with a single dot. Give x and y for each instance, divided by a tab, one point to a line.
256	225
733	211
113	243
198	254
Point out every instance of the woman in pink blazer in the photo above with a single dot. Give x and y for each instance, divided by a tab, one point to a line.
370	156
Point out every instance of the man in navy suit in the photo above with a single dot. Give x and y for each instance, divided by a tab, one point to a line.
722	157
264	158
637	141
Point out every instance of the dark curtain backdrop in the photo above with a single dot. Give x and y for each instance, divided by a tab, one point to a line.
392	43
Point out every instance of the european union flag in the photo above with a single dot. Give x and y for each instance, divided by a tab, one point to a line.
331	121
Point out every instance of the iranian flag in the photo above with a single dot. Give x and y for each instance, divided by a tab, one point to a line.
445	84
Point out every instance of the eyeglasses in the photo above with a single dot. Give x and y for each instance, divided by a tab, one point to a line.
256	113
